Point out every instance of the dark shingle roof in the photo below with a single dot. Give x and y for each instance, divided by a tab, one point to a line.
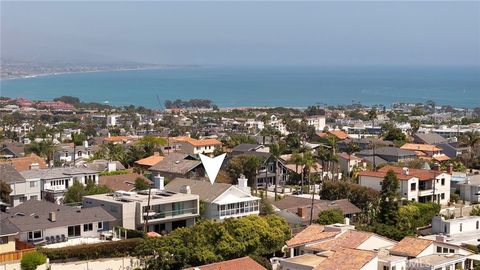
204	189
243	147
10	175
292	203
430	138
387	151
7	228
176	163
36	216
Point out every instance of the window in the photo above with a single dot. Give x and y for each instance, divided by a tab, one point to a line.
461	227
33	184
34	235
22	199
443	181
34	197
439	249
88	227
451	251
413	186
4	240
478	224
177	208
73	231
445	250
443	196
100	225
113	209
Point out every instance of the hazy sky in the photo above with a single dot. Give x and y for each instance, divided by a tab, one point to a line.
245	33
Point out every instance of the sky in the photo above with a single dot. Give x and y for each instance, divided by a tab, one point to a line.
244	33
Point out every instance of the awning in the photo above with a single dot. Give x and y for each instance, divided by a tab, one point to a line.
475	257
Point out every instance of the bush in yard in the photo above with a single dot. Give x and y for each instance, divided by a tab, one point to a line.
31	260
93	251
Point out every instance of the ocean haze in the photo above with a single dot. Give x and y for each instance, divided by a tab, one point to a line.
260	86
244	33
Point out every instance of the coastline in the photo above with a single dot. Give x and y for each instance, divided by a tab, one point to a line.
31	76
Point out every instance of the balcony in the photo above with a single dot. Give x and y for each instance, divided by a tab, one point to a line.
164	215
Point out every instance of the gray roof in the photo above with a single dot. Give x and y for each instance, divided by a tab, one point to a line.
176	163
430	138
55	173
387	151
10	175
101	165
36	216
378	160
204	189
243	147
7	228
293	202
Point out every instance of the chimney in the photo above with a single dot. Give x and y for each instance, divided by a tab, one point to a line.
34	166
450	168
185	189
52	217
243	183
112	166
85	144
406	171
302	212
159	181
441	238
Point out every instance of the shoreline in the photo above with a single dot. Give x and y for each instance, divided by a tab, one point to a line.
93	71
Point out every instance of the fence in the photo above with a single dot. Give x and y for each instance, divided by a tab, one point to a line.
21	249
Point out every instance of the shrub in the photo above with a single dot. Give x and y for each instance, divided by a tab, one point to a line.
130	233
330	216
31	260
93	251
119	172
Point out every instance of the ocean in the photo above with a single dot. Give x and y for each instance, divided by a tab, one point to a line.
260	86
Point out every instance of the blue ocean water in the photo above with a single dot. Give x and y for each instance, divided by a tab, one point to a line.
260	86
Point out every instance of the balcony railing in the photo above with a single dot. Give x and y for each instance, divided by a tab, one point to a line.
152	215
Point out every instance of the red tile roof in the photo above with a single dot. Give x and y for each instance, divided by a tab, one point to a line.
245	263
23	163
410	246
422	175
347	259
311	234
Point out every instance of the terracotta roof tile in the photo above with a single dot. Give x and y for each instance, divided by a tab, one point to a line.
422	175
23	163
421	147
349	239
245	263
410	246
149	161
340	134
311	234
347	259
122	181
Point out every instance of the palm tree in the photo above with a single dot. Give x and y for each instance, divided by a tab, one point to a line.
276	151
471	139
372	115
351	148
297	159
309	164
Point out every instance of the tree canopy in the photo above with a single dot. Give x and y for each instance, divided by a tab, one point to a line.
330	216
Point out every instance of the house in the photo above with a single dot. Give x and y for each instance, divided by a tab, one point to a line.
122	181
296	210
102	165
388	153
8	234
168	210
26	163
68	153
458	231
426	151
349	162
470	188
179	165
244	263
453	149
415	184
54	182
363	143
428	138
338	134
146	163
194	147
316	121
221	200
432	254
11	149
337	246
22	188
41	222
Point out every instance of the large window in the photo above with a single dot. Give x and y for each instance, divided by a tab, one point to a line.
100	225
178	208
413	186
74	231
34	235
238	208
33	184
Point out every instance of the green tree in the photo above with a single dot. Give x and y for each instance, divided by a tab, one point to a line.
5	191
331	216
141	184
414	126
31	260
76	192
351	148
244	165
389	196
475	211
472	140
392	133
152	144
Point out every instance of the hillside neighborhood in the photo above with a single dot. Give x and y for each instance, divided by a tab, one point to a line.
320	188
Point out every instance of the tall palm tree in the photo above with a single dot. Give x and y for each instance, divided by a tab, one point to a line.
276	151
297	159
351	148
472	140
309	164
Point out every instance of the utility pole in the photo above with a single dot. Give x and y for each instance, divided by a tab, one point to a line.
147	217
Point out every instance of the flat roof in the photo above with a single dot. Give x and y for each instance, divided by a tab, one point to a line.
437	259
307	259
157	197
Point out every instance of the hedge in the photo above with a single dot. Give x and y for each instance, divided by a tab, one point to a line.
93	251
31	260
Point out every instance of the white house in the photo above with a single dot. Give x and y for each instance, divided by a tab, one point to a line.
193	146
221	200
54	182
316	121
67	153
458	231
470	188
415	184
22	189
